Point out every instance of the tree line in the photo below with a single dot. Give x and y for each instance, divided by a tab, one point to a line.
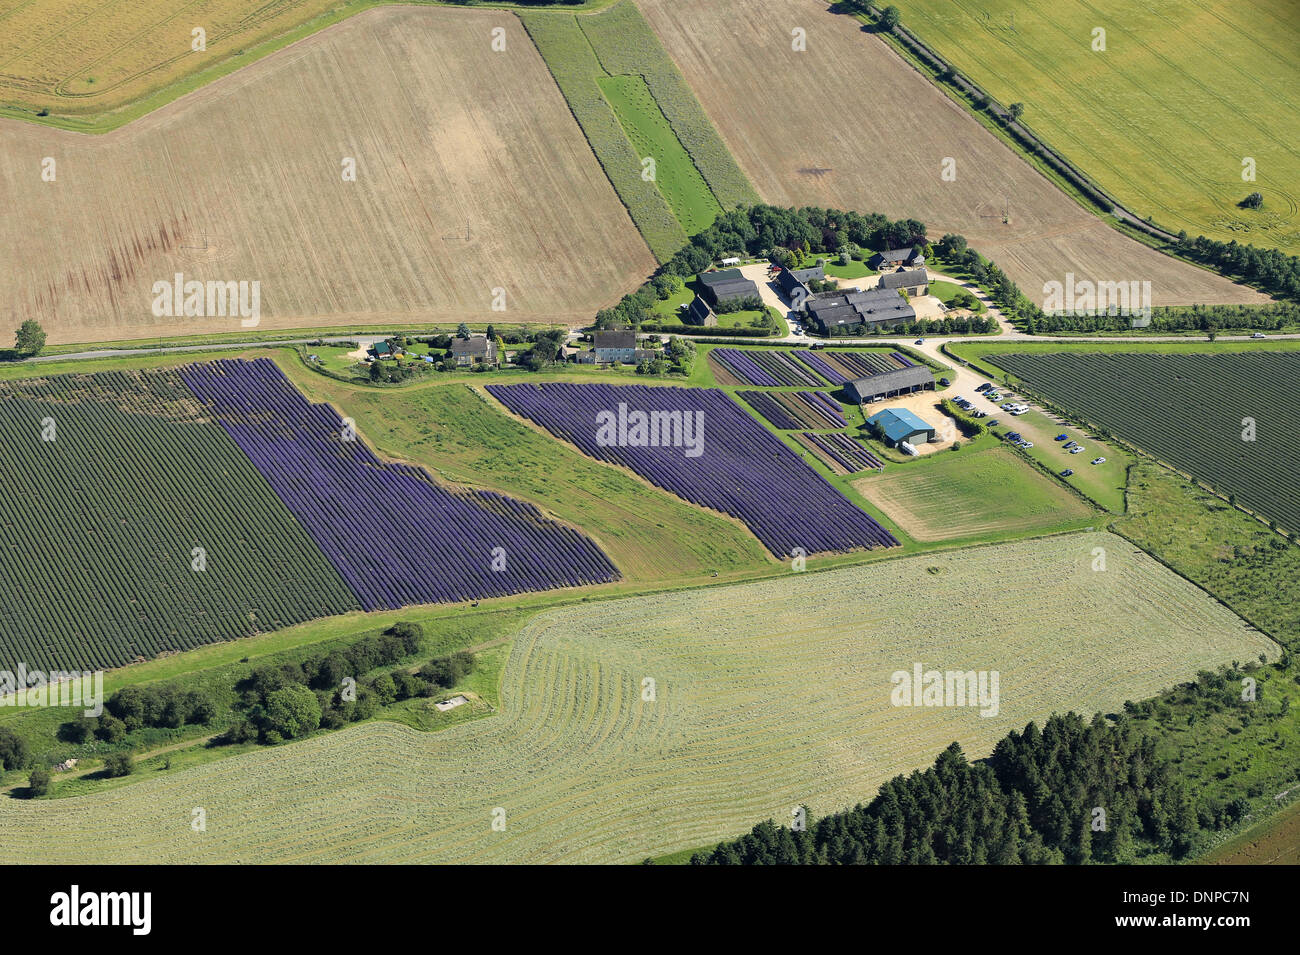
1074	792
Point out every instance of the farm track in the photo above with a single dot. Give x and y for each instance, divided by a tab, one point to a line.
767	696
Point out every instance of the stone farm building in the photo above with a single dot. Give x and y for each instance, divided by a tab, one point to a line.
726	285
896	258
899	425
615	347
844	310
890	384
700	314
911	281
476	348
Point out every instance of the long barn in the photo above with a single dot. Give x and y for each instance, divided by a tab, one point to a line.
889	384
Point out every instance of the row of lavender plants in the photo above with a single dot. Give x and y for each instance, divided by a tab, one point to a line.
724	459
394	534
768	369
846	452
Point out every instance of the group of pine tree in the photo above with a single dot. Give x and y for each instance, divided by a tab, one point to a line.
1073	792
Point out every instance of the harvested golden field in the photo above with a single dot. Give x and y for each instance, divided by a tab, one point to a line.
89	62
766	695
848	124
471	176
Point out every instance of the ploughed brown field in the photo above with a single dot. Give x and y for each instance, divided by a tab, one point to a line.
472	176
848	124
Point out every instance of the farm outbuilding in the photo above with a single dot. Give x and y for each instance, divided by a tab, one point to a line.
912	281
872	307
899	425
700	314
793	284
726	285
889	384
894	258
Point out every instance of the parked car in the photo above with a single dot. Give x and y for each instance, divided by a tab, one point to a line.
993	422
1027	444
1067	472
1258	335
1062	437
1014	436
919	341
1069	444
984	387
1098	460
981	414
1076	449
944	382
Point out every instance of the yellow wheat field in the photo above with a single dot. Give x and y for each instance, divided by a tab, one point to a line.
474	189
848	124
765	696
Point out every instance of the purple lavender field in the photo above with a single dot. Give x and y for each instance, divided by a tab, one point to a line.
395	536
741	468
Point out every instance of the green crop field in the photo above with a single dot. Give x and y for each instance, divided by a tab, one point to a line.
1230	420
632	104
764	696
646	126
972	493
1165	116
626	45
116	488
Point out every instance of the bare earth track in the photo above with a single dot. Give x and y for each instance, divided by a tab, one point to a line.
848	124
471	176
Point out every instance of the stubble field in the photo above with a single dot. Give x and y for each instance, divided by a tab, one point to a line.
765	696
848	124
471	176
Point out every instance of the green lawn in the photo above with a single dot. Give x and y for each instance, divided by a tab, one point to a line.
981	491
1164	116
854	270
947	291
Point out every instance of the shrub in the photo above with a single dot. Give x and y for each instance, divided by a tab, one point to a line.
38	783
119	764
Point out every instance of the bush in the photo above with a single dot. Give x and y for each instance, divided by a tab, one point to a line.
292	711
119	764
38	783
110	729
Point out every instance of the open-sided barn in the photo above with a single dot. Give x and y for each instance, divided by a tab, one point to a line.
890	383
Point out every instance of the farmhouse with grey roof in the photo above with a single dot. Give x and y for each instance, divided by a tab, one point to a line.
615	346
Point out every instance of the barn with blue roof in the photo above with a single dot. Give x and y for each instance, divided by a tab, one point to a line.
899	425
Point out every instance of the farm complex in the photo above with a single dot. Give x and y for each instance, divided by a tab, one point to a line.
641	431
